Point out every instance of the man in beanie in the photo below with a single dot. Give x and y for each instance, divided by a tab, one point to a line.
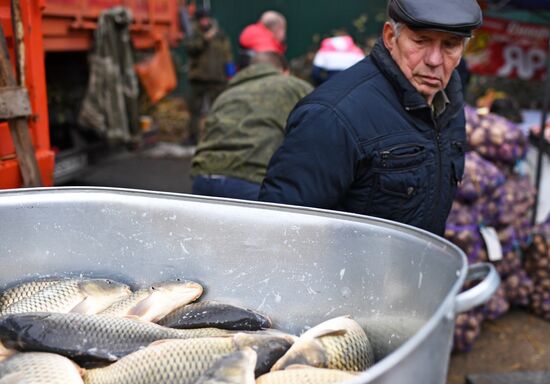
386	137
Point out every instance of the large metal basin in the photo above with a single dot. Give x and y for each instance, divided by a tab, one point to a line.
300	266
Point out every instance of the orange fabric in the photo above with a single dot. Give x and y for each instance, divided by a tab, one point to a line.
157	73
258	38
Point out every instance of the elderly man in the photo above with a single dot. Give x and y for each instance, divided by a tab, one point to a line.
267	35
386	137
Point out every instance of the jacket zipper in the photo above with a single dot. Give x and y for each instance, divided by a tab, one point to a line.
390	152
438	142
437	201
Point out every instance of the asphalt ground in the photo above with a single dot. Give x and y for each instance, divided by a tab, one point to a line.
517	342
164	167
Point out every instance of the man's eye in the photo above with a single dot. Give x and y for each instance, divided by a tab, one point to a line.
452	44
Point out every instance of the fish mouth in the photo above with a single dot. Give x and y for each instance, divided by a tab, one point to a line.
177	284
186	289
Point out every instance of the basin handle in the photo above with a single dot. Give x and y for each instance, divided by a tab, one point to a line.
481	292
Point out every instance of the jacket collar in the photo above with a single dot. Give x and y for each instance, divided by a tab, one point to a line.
410	98
254	71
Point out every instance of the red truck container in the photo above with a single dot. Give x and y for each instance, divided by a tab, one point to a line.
35	82
67	25
60	33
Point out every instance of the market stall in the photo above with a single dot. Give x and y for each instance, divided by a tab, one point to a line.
505	187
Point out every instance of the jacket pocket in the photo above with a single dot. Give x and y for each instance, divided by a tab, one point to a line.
401	177
401	156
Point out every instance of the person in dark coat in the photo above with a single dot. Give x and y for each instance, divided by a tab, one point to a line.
210	66
386	137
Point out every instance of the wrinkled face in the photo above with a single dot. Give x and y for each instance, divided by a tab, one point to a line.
426	58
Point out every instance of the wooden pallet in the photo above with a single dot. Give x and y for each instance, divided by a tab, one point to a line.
15	106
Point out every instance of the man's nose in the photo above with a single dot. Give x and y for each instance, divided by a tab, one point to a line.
434	55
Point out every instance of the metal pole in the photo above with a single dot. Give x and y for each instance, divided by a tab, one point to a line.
541	142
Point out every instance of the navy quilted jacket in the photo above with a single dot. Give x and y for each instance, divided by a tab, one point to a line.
366	142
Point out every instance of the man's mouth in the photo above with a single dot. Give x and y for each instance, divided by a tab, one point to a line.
432	81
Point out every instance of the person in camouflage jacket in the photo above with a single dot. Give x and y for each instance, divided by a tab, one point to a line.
244	128
210	64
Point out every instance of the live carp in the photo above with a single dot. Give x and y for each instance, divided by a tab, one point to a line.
338	343
214	314
153	303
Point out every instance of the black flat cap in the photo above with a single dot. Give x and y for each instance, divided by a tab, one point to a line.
455	16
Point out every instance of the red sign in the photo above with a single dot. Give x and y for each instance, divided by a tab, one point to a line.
509	48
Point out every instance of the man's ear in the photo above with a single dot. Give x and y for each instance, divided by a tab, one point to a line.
388	35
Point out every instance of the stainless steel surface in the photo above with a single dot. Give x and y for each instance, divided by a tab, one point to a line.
481	292
300	266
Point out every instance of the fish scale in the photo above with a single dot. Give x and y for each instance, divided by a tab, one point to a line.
184	361
84	337
338	343
66	295
173	361
18	292
122	306
60	297
235	368
306	376
348	352
39	368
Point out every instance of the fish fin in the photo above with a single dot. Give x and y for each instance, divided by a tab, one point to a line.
161	302
86	306
81	371
334	327
132	317
275	332
307	352
14	378
6	352
144	306
298	366
324	332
